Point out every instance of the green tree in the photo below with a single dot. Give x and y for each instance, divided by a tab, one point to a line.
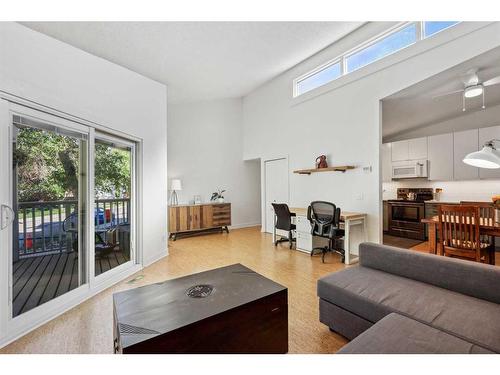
47	167
112	171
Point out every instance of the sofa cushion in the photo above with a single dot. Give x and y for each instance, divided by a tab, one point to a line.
397	334
373	294
462	276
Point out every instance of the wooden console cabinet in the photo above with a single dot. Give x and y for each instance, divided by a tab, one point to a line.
199	217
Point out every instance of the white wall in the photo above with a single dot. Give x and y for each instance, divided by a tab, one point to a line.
54	74
344	121
205	151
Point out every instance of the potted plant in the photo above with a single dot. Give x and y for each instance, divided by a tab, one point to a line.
217	196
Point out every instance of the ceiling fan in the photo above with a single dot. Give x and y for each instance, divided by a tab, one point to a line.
472	86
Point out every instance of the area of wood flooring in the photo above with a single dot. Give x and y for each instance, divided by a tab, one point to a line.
405	243
88	327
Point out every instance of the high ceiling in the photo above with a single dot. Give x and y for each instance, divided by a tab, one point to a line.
201	60
415	107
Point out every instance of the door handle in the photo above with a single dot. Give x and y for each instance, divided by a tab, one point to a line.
7	219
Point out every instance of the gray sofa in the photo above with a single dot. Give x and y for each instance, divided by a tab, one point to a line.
400	301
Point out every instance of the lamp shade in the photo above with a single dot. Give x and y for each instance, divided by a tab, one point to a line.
486	158
176	185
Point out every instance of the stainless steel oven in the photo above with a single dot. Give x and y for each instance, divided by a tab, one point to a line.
405	219
410	212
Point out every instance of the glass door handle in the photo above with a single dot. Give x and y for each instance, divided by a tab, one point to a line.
8	216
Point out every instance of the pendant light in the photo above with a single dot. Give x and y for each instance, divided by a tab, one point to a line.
488	157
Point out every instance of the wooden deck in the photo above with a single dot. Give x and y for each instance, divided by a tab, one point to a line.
39	279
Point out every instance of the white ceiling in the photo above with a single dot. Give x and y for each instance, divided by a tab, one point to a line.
201	60
414	107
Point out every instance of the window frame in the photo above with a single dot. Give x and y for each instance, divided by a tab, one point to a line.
422	27
342	58
315	71
393	30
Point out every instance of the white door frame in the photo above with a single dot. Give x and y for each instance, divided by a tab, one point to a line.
263	185
13	328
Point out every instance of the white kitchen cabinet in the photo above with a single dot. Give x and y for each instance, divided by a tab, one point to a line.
386	162
440	155
417	148
400	151
464	142
412	149
485	135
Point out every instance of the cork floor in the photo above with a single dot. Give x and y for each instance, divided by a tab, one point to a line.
87	328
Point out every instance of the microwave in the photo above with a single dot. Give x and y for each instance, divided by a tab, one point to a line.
410	169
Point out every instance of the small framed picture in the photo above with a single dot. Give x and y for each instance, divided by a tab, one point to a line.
197	199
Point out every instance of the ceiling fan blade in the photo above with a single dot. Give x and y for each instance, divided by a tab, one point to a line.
446	94
470	78
486	73
493	81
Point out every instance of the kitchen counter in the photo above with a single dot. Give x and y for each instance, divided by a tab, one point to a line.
442	202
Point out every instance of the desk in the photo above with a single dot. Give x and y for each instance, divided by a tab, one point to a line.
487	227
354	224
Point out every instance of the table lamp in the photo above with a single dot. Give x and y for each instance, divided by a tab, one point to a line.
176	186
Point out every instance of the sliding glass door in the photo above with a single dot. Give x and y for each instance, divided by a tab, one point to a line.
114	202
67	213
49	199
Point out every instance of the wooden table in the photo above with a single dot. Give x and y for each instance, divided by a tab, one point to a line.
234	310
487	227
349	222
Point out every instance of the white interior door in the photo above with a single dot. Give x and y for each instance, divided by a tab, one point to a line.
276	185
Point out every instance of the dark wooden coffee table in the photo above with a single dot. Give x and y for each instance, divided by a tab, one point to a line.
234	310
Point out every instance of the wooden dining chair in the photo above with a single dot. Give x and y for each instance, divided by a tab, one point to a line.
460	235
487	216
486	212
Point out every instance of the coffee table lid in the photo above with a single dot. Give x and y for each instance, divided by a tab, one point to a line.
155	309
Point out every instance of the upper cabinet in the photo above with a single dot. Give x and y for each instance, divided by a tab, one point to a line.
464	143
417	148
485	135
445	153
400	151
413	149
440	150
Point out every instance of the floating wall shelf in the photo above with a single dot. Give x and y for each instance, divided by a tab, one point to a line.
329	169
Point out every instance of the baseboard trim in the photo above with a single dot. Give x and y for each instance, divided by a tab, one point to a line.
245	225
155	258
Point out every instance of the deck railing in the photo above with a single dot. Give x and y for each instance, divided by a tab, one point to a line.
52	227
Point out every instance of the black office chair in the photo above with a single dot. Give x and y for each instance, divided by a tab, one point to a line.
325	222
284	222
